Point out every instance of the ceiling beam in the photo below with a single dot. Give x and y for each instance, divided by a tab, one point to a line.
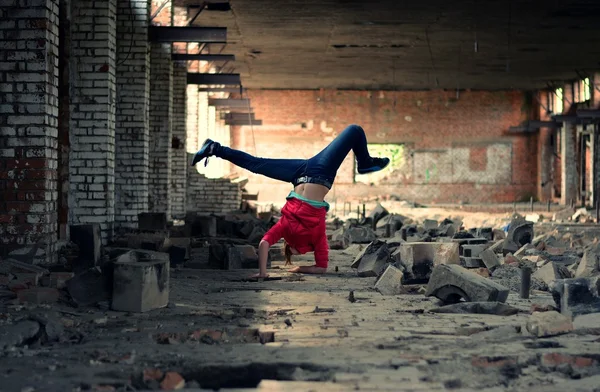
241	122
239	90
588	113
187	34
213	79
202	57
229	103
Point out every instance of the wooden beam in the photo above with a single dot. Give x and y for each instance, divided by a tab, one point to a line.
213	79
229	103
202	57
187	34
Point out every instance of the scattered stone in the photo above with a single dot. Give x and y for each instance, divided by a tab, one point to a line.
38	295
490	260
498	235
519	234
58	280
430	224
564	214
288	322
450	283
551	272
152	221
200	225
15	266
377	213
89	240
541	308
417	259
473	250
158	242
496	247
372	260
351	297
577	296
483	272
510	276
360	235
545	324
523	250
590	262
509	259
471	262
18	334
353	249
390	283
502	333
257	235
141	286
496	308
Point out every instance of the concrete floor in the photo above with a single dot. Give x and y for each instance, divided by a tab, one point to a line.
375	343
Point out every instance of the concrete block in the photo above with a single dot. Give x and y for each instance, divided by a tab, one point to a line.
372	260
473	250
545	324
590	263
525	250
149	241
91	286
519	234
551	272
89	240
490	259
377	213
577	296
390	283
417	259
450	283
152	221
277	252
199	225
498	235
472	262
182	242
141	286
360	235
241	256
485	232
430	224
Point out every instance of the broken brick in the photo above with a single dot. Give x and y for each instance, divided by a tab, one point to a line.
390	283
172	381
557	359
551	323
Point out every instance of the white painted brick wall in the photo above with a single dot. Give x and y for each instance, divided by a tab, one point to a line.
92	127
161	113
192	118
179	162
28	124
132	121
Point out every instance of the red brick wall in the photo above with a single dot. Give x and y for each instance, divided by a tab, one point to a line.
298	123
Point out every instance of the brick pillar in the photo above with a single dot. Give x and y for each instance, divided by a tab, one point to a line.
132	124
161	113
192	118
179	161
568	157
545	154
28	125
92	130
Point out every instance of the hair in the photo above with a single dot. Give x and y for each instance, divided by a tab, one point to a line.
288	253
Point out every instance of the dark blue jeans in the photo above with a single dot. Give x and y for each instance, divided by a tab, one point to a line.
321	169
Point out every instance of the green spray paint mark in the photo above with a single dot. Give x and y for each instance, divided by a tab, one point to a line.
427	175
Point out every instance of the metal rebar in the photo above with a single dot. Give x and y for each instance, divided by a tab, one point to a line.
403	233
364	211
525	282
388	230
531	203
357	212
548	206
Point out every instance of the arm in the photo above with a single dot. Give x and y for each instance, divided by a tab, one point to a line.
263	253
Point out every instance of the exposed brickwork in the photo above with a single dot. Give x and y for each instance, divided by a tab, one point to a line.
92	131
435	126
569	188
132	122
161	114
191	143
179	163
28	124
546	175
211	195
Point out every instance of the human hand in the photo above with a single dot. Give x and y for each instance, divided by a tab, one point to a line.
295	269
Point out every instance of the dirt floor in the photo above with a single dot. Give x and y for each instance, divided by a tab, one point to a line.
323	339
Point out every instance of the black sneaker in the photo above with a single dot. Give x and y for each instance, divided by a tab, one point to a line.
205	151
375	165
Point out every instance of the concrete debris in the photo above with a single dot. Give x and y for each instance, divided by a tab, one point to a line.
241	256
13	266
473	250
472	262
450	283
590	262
141	286
510	276
372	260
28	254
525	250
496	308
577	295
200	225
91	286
485	232
360	235
417	259
38	295
551	272
152	221
377	213
394	220
490	259
496	247
519	233
545	324
390	283
590	321
563	215
582	215
353	250
498	235
18	334
158	242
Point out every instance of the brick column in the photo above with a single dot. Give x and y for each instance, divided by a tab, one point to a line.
161	112
192	118
132	124
92	130
179	161
568	159
28	125
545	154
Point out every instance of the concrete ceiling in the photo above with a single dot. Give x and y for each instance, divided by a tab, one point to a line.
391	44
